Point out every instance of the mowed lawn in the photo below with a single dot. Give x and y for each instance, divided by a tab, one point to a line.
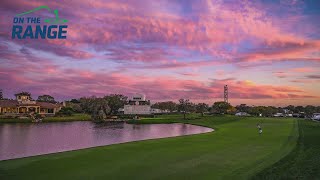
234	151
304	161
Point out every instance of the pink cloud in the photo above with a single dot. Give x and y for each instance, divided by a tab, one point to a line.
189	74
304	69
147	36
73	83
281	74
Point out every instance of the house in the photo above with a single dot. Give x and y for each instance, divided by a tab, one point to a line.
158	111
23	104
138	105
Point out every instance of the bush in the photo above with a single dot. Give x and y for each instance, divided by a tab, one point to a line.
65	111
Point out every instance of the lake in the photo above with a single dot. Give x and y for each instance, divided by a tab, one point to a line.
23	140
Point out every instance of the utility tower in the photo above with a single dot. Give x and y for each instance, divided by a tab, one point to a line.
1	95
225	93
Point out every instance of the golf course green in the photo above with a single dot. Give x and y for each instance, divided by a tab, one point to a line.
304	161
235	150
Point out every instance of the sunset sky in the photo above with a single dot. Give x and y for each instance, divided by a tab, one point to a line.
267	52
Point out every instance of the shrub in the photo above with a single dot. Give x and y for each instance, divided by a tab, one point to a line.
65	111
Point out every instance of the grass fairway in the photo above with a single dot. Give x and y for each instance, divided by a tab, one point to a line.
304	161
235	150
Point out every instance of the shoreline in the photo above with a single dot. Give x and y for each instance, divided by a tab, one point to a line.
75	117
212	130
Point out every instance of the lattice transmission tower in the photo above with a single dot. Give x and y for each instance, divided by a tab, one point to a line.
225	94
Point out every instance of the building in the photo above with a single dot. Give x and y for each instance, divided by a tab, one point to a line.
23	104
316	116
138	105
158	111
278	115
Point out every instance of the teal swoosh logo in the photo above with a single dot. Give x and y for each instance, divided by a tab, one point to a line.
55	20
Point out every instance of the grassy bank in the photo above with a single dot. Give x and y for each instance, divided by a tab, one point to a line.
74	117
235	150
304	161
15	120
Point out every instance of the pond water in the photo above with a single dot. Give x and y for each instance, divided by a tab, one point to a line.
23	140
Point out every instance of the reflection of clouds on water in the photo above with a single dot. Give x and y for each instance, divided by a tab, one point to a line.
21	140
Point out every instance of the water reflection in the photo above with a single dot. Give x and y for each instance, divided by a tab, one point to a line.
21	140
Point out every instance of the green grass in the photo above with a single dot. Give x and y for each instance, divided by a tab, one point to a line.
234	151
15	120
74	117
304	161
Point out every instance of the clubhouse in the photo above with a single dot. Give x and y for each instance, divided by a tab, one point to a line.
25	105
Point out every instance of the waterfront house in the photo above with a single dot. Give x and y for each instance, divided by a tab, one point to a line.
138	105
23	104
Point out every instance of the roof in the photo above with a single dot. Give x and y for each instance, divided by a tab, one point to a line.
8	103
48	105
15	103
23	94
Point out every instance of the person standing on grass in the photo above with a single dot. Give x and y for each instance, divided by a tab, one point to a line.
260	129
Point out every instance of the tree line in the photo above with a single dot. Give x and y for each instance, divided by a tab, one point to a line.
100	107
110	104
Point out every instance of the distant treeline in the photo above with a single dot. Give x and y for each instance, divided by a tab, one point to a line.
100	107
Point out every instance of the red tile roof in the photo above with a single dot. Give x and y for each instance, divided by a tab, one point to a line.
8	103
14	103
48	105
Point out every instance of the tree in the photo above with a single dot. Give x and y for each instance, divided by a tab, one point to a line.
100	109
185	106
1	94
168	105
87	104
256	110
231	110
290	108
116	101
299	109
309	110
76	107
76	101
270	111
171	106
243	108
221	107
65	111
46	98
202	107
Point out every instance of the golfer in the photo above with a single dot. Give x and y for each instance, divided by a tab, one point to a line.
260	129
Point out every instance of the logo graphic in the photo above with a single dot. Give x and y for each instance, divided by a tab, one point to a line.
56	20
54	31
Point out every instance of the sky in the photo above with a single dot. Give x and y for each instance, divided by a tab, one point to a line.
267	52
